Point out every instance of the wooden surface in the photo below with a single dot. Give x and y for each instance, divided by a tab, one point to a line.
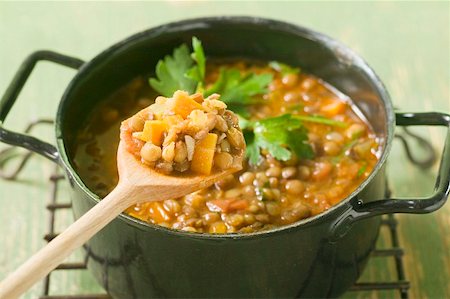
407	43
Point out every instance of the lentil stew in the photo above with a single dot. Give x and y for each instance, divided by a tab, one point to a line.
340	151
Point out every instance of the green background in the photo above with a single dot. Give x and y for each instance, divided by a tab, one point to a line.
407	43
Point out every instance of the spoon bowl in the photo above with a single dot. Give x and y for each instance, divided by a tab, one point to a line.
150	185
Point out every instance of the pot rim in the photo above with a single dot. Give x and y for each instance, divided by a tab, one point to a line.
344	53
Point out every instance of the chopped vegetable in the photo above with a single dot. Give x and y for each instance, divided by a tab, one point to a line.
226	205
219	205
190	145
153	131
284	69
240	204
202	160
183	104
333	108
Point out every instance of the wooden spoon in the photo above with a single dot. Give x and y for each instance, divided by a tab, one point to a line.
137	184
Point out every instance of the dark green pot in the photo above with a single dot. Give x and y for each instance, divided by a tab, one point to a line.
318	257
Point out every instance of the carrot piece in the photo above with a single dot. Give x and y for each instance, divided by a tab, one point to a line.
219	205
182	104
202	160
157	213
227	205
322	170
240	204
333	108
154	131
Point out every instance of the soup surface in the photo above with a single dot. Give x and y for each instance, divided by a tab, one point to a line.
266	194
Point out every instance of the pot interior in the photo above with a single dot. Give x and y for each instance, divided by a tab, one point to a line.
251	38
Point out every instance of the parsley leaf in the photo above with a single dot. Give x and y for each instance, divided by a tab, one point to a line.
197	72
361	170
252	149
181	71
237	90
186	71
284	69
171	73
321	120
281	136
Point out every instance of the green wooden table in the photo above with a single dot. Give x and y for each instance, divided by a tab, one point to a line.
407	43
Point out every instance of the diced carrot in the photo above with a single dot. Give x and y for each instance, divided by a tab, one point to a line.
219	205
157	213
182	104
333	108
240	204
322	170
226	205
154	131
209	142
202	160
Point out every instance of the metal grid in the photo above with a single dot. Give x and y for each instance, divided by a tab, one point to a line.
394	251
53	206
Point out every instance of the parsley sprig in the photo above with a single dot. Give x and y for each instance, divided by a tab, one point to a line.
186	71
197	72
281	136
181	70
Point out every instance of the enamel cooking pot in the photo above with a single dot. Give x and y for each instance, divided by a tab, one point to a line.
321	256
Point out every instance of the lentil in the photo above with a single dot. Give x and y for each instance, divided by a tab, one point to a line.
247	178
274	171
223	160
289	172
294	187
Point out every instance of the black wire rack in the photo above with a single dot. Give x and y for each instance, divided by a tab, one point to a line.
55	204
392	251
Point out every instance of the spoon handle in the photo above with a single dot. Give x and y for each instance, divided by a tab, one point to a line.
49	257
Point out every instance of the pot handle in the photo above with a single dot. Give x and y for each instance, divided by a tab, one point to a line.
359	210
12	92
